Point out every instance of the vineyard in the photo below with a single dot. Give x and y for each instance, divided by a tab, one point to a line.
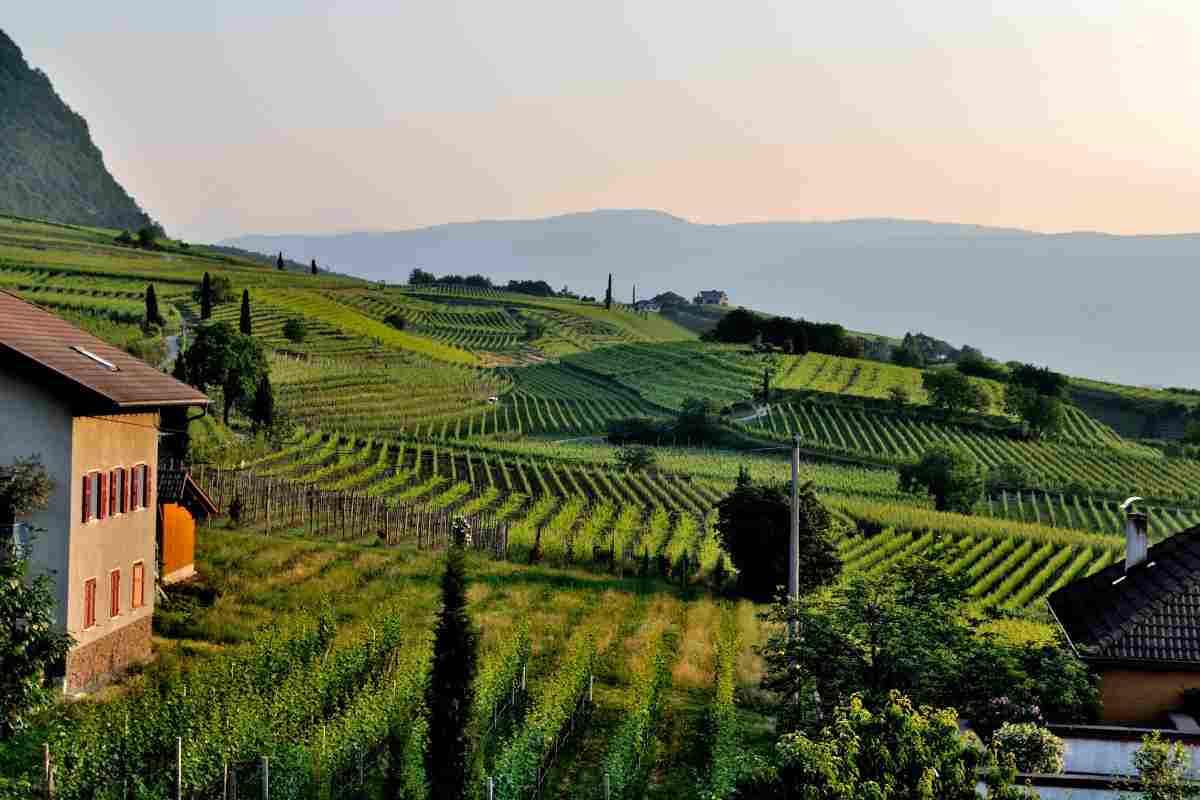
614	660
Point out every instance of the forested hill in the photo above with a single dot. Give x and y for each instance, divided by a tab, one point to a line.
49	167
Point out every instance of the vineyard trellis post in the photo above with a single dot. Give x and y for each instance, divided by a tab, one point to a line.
178	768
47	771
794	543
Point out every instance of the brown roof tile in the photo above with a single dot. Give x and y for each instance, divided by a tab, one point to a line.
49	349
1148	613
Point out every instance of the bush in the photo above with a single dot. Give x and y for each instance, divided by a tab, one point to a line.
1035	749
397	321
636	458
1009	477
295	330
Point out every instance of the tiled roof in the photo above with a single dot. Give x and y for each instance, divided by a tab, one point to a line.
1150	613
55	352
178	486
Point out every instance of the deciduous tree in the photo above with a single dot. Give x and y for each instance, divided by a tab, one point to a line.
948	474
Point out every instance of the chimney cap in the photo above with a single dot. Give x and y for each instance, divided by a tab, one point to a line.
1128	504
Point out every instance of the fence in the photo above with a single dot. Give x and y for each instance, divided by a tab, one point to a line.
280	503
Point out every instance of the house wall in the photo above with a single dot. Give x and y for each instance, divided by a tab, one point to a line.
35	421
178	542
101	545
1142	696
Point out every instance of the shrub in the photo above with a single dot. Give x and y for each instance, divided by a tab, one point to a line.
397	321
295	330
636	458
1034	748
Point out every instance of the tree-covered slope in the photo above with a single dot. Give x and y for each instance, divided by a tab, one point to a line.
49	167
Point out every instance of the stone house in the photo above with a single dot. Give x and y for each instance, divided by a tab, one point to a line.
1137	624
91	412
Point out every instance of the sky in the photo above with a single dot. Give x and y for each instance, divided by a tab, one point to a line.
224	117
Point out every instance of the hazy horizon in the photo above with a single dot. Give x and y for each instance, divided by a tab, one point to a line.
224	119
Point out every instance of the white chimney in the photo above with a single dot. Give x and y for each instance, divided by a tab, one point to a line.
1137	539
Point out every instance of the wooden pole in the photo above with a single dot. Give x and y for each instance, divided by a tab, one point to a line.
46	771
266	770
178	768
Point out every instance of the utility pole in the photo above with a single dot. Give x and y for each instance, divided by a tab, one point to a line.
794	549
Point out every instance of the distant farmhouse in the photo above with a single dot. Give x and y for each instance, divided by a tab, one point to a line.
714	297
647	306
1137	624
91	412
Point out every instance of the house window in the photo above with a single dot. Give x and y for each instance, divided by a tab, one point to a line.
145	486
93	496
137	595
114	593
102	504
135	488
89	603
120	495
113	508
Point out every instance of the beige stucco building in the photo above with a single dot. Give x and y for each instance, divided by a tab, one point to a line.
91	413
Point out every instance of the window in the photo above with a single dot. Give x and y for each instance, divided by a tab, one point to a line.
145	486
137	593
102	494
93	496
135	488
113	509
114	593
89	603
119	489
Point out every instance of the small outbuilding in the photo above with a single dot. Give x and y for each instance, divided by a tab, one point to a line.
181	504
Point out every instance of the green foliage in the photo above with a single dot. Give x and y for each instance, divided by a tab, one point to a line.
397	321
279	261
947	473
1162	770
262	410
566	690
908	357
900	397
295	330
25	486
30	641
699	421
1041	380
206	297
153	317
974	364
1043	414
221	357
728	761
1009	476
898	753
630	753
1033	748
449	696
313	267
244	322
753	527
953	391
635	458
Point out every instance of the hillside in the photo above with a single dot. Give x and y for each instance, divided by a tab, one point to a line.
1072	301
415	405
49	167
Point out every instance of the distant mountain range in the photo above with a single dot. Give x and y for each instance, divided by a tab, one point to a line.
1092	304
49	167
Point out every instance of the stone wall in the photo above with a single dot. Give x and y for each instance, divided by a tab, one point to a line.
99	661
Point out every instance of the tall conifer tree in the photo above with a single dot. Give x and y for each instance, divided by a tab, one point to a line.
206	297
279	261
264	403
314	266
450	691
152	315
244	323
608	294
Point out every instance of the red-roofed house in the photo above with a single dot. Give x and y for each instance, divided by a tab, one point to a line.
91	411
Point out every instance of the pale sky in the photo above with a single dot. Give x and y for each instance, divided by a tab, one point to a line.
271	116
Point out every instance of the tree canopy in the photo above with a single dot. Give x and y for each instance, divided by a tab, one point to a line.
220	356
753	526
953	391
947	473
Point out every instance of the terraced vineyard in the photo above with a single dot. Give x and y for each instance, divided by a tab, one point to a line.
666	375
893	439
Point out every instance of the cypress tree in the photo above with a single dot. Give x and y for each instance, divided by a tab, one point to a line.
608	294
264	403
450	691
244	323
314	266
206	297
152	315
180	371
279	261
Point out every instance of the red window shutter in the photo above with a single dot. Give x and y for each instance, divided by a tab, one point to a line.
125	489
113	506
134	491
114	593
89	603
87	497
136	593
146	494
102	496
